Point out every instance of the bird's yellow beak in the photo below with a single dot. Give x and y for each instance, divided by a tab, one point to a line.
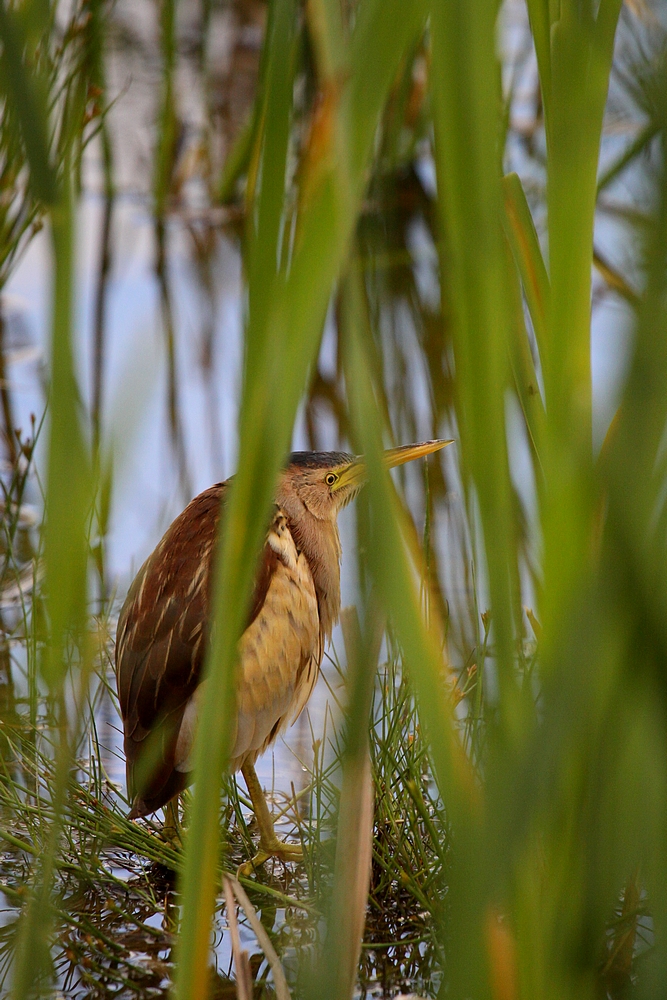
408	452
355	473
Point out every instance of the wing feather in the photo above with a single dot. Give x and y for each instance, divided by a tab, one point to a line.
161	644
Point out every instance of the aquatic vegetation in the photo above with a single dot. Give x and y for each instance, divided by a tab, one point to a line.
415	196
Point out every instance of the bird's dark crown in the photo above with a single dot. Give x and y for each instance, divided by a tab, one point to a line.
319	459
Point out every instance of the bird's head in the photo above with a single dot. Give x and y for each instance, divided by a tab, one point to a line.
326	481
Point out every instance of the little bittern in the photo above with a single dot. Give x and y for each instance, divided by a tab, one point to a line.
164	625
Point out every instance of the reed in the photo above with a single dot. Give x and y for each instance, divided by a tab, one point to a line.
514	758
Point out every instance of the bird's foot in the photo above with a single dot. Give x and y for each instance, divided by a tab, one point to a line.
173	837
275	849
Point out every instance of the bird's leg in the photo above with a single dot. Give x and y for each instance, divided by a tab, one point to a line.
269	845
171	829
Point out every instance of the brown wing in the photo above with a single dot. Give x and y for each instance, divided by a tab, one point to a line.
161	645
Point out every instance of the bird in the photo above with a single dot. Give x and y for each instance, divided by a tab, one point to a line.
165	624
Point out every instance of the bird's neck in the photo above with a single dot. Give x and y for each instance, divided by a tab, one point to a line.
320	543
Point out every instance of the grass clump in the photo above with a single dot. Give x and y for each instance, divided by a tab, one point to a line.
116	906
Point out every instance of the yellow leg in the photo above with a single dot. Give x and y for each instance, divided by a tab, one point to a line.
269	845
171	829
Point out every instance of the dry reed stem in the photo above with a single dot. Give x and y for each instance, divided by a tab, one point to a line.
241	962
279	981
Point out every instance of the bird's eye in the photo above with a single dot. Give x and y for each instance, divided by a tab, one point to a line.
331	479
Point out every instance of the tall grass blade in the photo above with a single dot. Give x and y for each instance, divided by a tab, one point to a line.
272	390
69	479
523	369
522	237
580	60
266	215
466	97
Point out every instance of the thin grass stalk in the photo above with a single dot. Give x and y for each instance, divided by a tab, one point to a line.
165	164
642	141
97	39
32	969
5	397
69	473
101	291
615	279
